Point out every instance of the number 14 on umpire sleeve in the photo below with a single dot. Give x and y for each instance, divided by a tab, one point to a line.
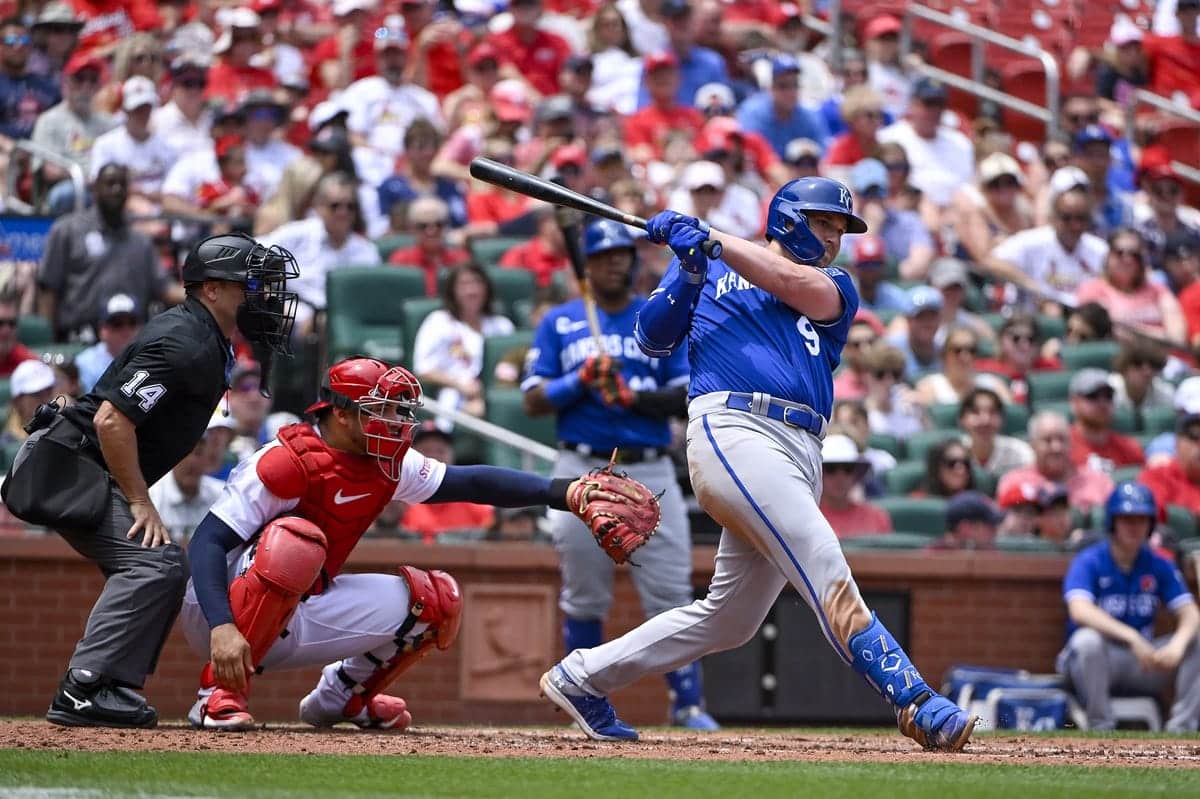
148	395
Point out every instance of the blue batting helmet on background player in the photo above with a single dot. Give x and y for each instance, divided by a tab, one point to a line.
788	224
605	235
1129	499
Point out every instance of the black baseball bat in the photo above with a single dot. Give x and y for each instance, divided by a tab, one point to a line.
512	179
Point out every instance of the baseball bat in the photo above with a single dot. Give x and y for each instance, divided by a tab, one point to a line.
570	222
507	177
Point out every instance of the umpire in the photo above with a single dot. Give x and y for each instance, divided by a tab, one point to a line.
619	398
85	469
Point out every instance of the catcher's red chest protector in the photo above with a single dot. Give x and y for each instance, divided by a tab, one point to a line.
340	492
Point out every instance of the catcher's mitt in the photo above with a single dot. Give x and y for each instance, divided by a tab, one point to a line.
621	512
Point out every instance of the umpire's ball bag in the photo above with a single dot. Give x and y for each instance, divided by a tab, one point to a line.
53	482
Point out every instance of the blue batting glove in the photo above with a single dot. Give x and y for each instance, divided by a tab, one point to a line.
685	242
658	227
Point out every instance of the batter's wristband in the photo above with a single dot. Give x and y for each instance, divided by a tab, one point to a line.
556	495
562	391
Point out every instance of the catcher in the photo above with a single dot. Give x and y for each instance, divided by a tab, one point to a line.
266	590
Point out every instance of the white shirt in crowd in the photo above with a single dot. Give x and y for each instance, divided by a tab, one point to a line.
183	135
190	172
939	165
147	161
893	86
444	344
646	35
180	514
265	165
307	240
381	112
616	79
1038	253
740	211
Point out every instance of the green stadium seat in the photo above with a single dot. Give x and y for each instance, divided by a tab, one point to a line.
1124	474
389	244
904	478
511	286
985	481
365	310
1026	543
944	416
986	348
1051	326
897	540
995	320
413	313
925	515
522	312
67	350
920	443
1158	420
1016	420
33	331
887	315
488	251
1182	521
1049	386
505	407
5	391
888	443
1099	354
496	347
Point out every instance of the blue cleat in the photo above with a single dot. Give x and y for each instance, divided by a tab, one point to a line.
594	714
936	723
693	717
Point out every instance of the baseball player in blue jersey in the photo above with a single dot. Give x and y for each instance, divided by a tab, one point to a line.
764	329
620	398
1113	590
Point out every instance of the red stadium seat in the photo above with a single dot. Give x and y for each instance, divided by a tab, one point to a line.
1025	79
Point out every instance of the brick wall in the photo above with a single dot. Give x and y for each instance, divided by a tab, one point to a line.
1002	610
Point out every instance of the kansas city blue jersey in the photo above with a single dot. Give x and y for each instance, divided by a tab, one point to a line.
563	342
745	339
1132	598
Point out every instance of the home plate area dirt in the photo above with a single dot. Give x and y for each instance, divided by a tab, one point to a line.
739	745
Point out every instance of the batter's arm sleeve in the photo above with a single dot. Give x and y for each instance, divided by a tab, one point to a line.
493	485
663	322
210	547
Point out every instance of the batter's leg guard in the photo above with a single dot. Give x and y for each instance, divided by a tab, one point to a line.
287	560
582	634
687	699
434	600
922	714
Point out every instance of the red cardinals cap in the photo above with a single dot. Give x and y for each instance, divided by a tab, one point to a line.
83	59
569	154
484	51
1023	492
659	60
881	26
869	249
511	101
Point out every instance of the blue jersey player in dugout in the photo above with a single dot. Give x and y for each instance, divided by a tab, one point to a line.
764	328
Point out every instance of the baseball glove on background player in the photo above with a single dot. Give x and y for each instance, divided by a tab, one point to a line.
603	373
621	512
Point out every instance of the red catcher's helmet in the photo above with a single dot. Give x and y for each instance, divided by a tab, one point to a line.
346	382
388	416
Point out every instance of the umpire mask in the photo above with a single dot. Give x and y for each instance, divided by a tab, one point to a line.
266	316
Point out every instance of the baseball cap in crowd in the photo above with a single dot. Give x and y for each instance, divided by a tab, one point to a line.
868	318
922	299
428	429
389	37
323	113
569	154
839	448
83	59
31	377
930	91
1067	178
607	151
343	8
329	139
510	101
231	18
1092	134
703	173
1089	381
220	420
784	64
673	9
558	106
869	175
1186	4
714	94
881	26
1187	397
118	307
138	91
655	61
1181	244
800	150
997	165
946	272
190	61
261	7
1053	494
57	15
1026	491
244	368
484	51
972	506
1123	31
869	250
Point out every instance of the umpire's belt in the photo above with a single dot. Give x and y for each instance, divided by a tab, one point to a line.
790	413
628	455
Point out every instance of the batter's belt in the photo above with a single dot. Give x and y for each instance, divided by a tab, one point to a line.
793	414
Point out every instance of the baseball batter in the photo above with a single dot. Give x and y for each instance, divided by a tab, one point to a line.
266	588
619	399
764	329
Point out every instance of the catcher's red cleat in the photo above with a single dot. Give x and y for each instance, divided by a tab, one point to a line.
384	712
226	710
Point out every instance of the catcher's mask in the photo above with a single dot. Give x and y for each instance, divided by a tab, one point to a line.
388	416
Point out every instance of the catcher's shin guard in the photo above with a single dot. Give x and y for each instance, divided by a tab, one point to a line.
435	600
927	717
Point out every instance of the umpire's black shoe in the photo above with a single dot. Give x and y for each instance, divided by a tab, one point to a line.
99	704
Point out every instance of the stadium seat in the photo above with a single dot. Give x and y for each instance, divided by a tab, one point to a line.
505	407
365	310
34	331
1099	354
888	443
389	244
413	313
496	347
896	540
1124	474
5	391
1025	79
1049	386
1016	420
511	286
925	515
944	416
985	481
904	478
67	350
1051	326
920	444
1182	521
1025	543
488	251
1158	420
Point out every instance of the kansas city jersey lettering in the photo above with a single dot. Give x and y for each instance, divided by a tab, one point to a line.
745	339
561	344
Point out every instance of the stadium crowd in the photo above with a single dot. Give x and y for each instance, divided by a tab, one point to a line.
1030	309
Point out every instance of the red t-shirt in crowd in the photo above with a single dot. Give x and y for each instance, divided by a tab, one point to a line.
652	124
209	193
495	206
230	83
1174	64
429	520
534	256
539	62
1170	486
415	256
844	151
363	55
1189	301
16	355
861	518
1120	450
109	21
444	67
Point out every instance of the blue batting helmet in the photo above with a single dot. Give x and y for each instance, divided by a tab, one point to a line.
787	223
1129	499
604	235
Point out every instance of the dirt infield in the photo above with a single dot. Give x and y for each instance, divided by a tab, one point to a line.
743	745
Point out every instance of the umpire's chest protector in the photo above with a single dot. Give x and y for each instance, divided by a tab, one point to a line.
340	492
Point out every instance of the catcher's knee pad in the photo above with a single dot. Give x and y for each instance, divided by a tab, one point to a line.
434	600
287	561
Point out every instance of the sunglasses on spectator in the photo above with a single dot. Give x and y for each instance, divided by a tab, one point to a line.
1004	182
433	224
1168	188
194	84
146	58
855	73
786	84
1083	119
1079	219
1126	252
1020	338
348	205
121	321
1142	363
18	40
964	349
8	323
895	166
86	76
862	342
955	463
804	160
842	468
871	114
883	374
1099	395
